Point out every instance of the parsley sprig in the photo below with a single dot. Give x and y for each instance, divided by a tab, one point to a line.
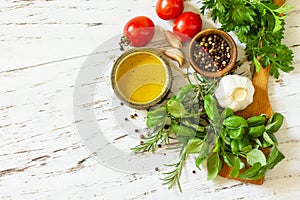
260	25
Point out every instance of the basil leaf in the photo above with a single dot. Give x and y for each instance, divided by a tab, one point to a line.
211	108
194	146
157	113
256	120
235	122
251	172
234	146
256	156
156	117
176	109
256	131
274	123
152	123
184	91
229	159
266	144
246	149
269	138
236	167
217	145
274	158
202	154
236	133
227	113
183	131
223	133
261	173
257	141
214	165
243	142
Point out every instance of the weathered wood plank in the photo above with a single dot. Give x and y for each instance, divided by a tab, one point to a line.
43	45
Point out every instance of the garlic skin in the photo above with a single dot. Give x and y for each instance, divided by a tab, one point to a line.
235	92
175	54
173	39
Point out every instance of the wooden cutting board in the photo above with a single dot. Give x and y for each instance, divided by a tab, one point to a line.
260	105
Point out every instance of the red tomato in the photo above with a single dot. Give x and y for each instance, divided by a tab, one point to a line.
169	9
187	25
139	31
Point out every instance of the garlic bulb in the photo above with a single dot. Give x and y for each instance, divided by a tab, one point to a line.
235	92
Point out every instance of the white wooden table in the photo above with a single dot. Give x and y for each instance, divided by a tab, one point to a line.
43	46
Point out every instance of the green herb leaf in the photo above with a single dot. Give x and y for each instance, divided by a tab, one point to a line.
236	133
256	120
176	109
202	154
284	8
236	167
227	113
274	123
234	145
183	131
214	165
229	159
256	156
251	172
235	122
256	131
269	138
194	146
260	174
194	126
156	117
184	91
274	158
210	106
246	149
256	64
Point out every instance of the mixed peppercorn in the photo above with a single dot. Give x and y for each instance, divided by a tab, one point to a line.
211	53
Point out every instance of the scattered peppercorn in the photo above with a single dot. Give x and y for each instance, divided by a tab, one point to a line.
141	142
122	104
156	169
159	145
211	53
126	119
166	126
142	136
194	171
136	130
136	115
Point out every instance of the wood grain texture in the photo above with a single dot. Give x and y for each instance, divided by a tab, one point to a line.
43	45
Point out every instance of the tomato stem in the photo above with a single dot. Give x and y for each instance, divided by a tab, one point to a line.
124	43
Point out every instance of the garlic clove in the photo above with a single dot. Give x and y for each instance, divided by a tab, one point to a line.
173	39
175	54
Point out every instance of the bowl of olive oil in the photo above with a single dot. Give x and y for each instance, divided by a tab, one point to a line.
141	77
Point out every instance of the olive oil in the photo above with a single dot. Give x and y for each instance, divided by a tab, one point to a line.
141	77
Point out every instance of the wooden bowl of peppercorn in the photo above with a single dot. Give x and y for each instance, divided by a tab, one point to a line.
212	53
